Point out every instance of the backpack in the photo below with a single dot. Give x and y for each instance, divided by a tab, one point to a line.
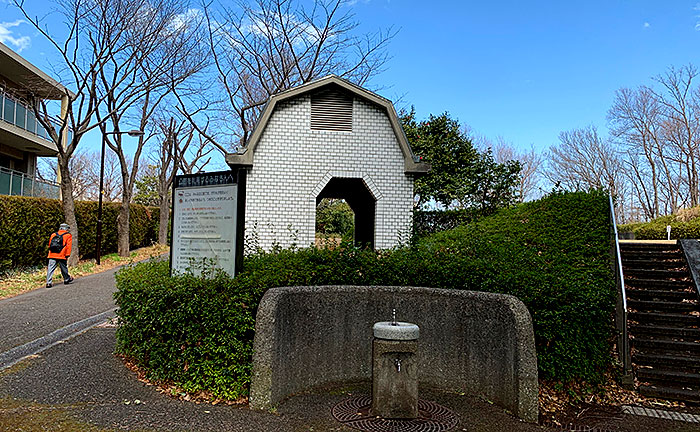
56	243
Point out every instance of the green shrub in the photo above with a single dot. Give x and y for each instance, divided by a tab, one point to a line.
553	254
194	331
28	222
427	222
26	225
656	229
335	217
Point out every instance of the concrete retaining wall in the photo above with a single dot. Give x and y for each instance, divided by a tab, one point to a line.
691	250
478	343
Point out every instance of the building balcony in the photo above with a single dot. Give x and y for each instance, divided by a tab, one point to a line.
17	183
20	129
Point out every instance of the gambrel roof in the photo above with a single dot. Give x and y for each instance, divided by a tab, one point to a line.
244	157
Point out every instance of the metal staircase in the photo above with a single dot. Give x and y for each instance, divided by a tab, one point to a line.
663	320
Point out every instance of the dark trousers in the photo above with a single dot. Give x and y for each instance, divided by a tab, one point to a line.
62	264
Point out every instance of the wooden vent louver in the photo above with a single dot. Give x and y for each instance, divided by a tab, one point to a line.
331	111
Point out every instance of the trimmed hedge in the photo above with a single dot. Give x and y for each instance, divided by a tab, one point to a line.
28	222
187	329
433	221
553	254
656	229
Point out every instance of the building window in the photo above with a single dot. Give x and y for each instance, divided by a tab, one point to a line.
9	112
31	121
21	116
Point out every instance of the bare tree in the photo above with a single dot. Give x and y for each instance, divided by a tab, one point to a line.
78	71
659	130
111	179
175	152
584	160
81	168
264	47
157	50
635	120
531	164
113	54
681	126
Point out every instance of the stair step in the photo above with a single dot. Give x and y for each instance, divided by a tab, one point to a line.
655	274
670	393
680	348
625	246
691	364
663	318
669	306
648	294
657	264
691	334
642	254
672	377
659	284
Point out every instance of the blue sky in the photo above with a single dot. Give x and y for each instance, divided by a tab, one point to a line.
529	70
521	70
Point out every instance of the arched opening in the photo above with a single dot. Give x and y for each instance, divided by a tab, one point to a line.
355	193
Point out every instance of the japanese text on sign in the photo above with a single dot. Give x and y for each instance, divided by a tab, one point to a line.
204	226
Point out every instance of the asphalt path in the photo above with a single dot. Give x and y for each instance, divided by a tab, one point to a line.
82	383
81	377
35	320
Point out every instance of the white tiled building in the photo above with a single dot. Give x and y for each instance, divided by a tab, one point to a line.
328	139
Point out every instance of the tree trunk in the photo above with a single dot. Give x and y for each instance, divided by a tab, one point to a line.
123	229
164	219
69	210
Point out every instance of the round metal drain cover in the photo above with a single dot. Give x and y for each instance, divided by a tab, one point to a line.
355	413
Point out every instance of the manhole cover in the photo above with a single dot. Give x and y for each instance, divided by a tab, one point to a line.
432	417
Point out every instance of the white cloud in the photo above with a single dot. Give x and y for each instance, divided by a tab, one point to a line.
19	43
647	25
186	19
300	32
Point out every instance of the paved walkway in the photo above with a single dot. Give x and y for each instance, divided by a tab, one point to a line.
77	384
37	313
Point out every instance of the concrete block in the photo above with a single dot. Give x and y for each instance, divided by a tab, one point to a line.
395	373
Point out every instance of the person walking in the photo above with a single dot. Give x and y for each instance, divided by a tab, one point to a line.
60	245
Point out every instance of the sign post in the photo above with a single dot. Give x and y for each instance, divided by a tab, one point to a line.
207	222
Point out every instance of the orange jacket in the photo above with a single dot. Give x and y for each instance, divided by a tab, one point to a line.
67	245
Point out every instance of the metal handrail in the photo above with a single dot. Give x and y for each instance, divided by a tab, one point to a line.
623	344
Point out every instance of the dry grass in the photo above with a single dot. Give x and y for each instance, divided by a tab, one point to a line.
20	282
558	401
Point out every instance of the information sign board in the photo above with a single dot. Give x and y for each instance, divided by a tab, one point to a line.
205	222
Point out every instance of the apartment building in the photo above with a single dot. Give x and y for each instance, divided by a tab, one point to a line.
22	138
